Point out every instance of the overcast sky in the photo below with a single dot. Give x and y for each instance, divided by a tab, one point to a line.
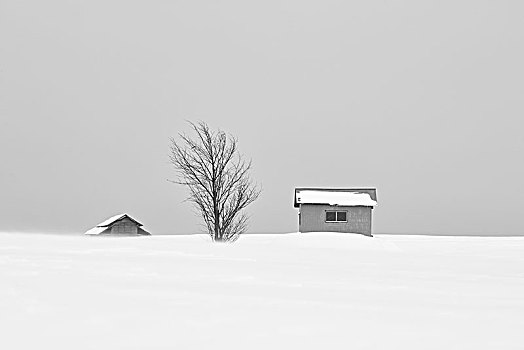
422	99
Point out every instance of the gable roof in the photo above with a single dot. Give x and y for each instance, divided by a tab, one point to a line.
336	196
116	218
106	224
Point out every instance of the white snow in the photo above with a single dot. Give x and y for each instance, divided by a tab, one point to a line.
335	198
294	291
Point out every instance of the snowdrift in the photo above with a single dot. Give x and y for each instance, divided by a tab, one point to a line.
308	291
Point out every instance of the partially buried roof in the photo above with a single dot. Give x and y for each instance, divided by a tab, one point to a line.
336	196
105	226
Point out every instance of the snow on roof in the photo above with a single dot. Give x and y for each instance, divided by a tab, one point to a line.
95	230
334	198
114	219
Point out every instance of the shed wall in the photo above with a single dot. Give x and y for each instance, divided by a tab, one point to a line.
125	226
313	219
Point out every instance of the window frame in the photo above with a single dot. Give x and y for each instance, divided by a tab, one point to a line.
336	216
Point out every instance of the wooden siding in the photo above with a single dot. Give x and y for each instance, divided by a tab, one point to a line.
313	219
125	226
141	231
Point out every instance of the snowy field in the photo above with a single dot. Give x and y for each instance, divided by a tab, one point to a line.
309	291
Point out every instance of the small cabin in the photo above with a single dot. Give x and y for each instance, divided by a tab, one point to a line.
121	224
335	209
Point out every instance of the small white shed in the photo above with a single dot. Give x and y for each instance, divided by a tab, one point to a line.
335	209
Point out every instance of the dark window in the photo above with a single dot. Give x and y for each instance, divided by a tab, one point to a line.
336	216
341	216
331	216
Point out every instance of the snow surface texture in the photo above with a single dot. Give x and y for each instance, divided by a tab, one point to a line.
335	198
294	291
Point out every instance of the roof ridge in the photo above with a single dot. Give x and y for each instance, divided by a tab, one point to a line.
116	218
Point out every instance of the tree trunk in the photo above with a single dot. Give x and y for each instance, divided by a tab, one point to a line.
218	236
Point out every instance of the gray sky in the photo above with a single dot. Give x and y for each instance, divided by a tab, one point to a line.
422	99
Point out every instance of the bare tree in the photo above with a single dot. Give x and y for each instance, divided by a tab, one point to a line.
218	179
